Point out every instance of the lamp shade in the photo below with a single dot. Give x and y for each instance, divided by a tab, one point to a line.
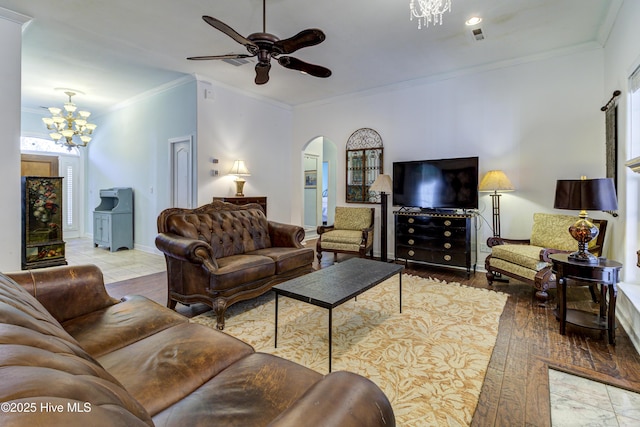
239	169
495	180
382	184
586	194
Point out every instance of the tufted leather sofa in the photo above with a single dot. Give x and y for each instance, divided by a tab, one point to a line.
221	253
70	355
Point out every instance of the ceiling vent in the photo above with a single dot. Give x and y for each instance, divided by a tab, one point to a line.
236	61
477	34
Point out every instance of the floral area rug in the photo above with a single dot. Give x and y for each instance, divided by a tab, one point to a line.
430	360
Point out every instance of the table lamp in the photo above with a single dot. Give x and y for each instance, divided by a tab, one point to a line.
239	170
495	181
384	186
582	195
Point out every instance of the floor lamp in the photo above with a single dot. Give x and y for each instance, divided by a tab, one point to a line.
495	181
383	185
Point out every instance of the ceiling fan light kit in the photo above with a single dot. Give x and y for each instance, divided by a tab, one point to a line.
265	46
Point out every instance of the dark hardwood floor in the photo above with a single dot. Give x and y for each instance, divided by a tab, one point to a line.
515	390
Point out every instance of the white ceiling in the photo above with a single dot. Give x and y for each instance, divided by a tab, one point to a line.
114	50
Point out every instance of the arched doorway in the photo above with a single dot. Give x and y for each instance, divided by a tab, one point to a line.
319	164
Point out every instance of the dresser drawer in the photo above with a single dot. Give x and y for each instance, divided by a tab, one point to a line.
435	243
454	233
432	256
432	221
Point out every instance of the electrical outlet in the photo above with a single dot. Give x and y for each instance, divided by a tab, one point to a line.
484	248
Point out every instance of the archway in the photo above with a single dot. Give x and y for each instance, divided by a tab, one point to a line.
319	164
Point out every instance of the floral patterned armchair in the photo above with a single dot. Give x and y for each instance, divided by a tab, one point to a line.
351	232
528	260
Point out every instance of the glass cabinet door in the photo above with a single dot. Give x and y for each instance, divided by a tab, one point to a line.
364	164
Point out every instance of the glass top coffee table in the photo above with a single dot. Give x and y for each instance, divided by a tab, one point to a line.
329	287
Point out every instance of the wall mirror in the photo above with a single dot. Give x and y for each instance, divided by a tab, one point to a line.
364	164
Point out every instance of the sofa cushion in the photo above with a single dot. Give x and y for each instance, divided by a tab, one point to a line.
109	329
527	256
166	367
348	240
237	270
229	232
286	259
349	218
512	268
40	362
251	392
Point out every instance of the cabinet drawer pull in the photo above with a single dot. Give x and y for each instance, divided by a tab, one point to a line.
447	233
411	253
447	257
411	241
447	222
411	231
447	245
411	220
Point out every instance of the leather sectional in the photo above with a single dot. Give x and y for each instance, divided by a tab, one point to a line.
71	355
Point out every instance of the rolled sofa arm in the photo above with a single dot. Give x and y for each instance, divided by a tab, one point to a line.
187	249
66	292
341	399
286	235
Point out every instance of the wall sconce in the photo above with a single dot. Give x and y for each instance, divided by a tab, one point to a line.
239	170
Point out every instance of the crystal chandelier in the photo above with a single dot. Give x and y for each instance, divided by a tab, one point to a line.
65	125
429	11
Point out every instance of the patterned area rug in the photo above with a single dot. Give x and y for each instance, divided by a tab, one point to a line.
430	360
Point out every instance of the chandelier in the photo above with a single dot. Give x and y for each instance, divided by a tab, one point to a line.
429	11
65	125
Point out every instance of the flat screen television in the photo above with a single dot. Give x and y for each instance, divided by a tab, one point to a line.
436	184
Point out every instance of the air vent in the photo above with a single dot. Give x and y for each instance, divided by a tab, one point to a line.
236	61
477	34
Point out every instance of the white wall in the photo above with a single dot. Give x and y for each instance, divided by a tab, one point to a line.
10	54
131	149
231	126
538	121
622	57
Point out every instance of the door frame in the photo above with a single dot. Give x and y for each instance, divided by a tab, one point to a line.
192	187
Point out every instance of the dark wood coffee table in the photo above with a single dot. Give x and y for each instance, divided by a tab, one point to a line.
329	287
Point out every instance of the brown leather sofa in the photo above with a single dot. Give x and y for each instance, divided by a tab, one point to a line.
220	253
70	355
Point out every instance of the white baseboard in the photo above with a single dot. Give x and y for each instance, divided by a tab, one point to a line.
628	311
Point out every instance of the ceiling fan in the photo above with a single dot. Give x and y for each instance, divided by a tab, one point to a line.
266	46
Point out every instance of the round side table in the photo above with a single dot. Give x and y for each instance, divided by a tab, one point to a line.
606	273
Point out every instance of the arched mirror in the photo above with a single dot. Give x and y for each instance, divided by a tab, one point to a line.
364	164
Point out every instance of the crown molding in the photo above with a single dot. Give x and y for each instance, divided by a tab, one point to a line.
187	78
422	81
12	16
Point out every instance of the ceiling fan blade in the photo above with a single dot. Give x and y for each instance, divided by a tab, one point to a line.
311	69
262	73
304	38
229	56
219	25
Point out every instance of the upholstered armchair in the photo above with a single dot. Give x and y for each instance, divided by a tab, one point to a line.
351	232
528	260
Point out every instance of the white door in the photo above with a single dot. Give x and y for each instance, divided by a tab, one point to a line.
182	173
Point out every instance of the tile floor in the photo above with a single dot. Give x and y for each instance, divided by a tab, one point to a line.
116	266
577	401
